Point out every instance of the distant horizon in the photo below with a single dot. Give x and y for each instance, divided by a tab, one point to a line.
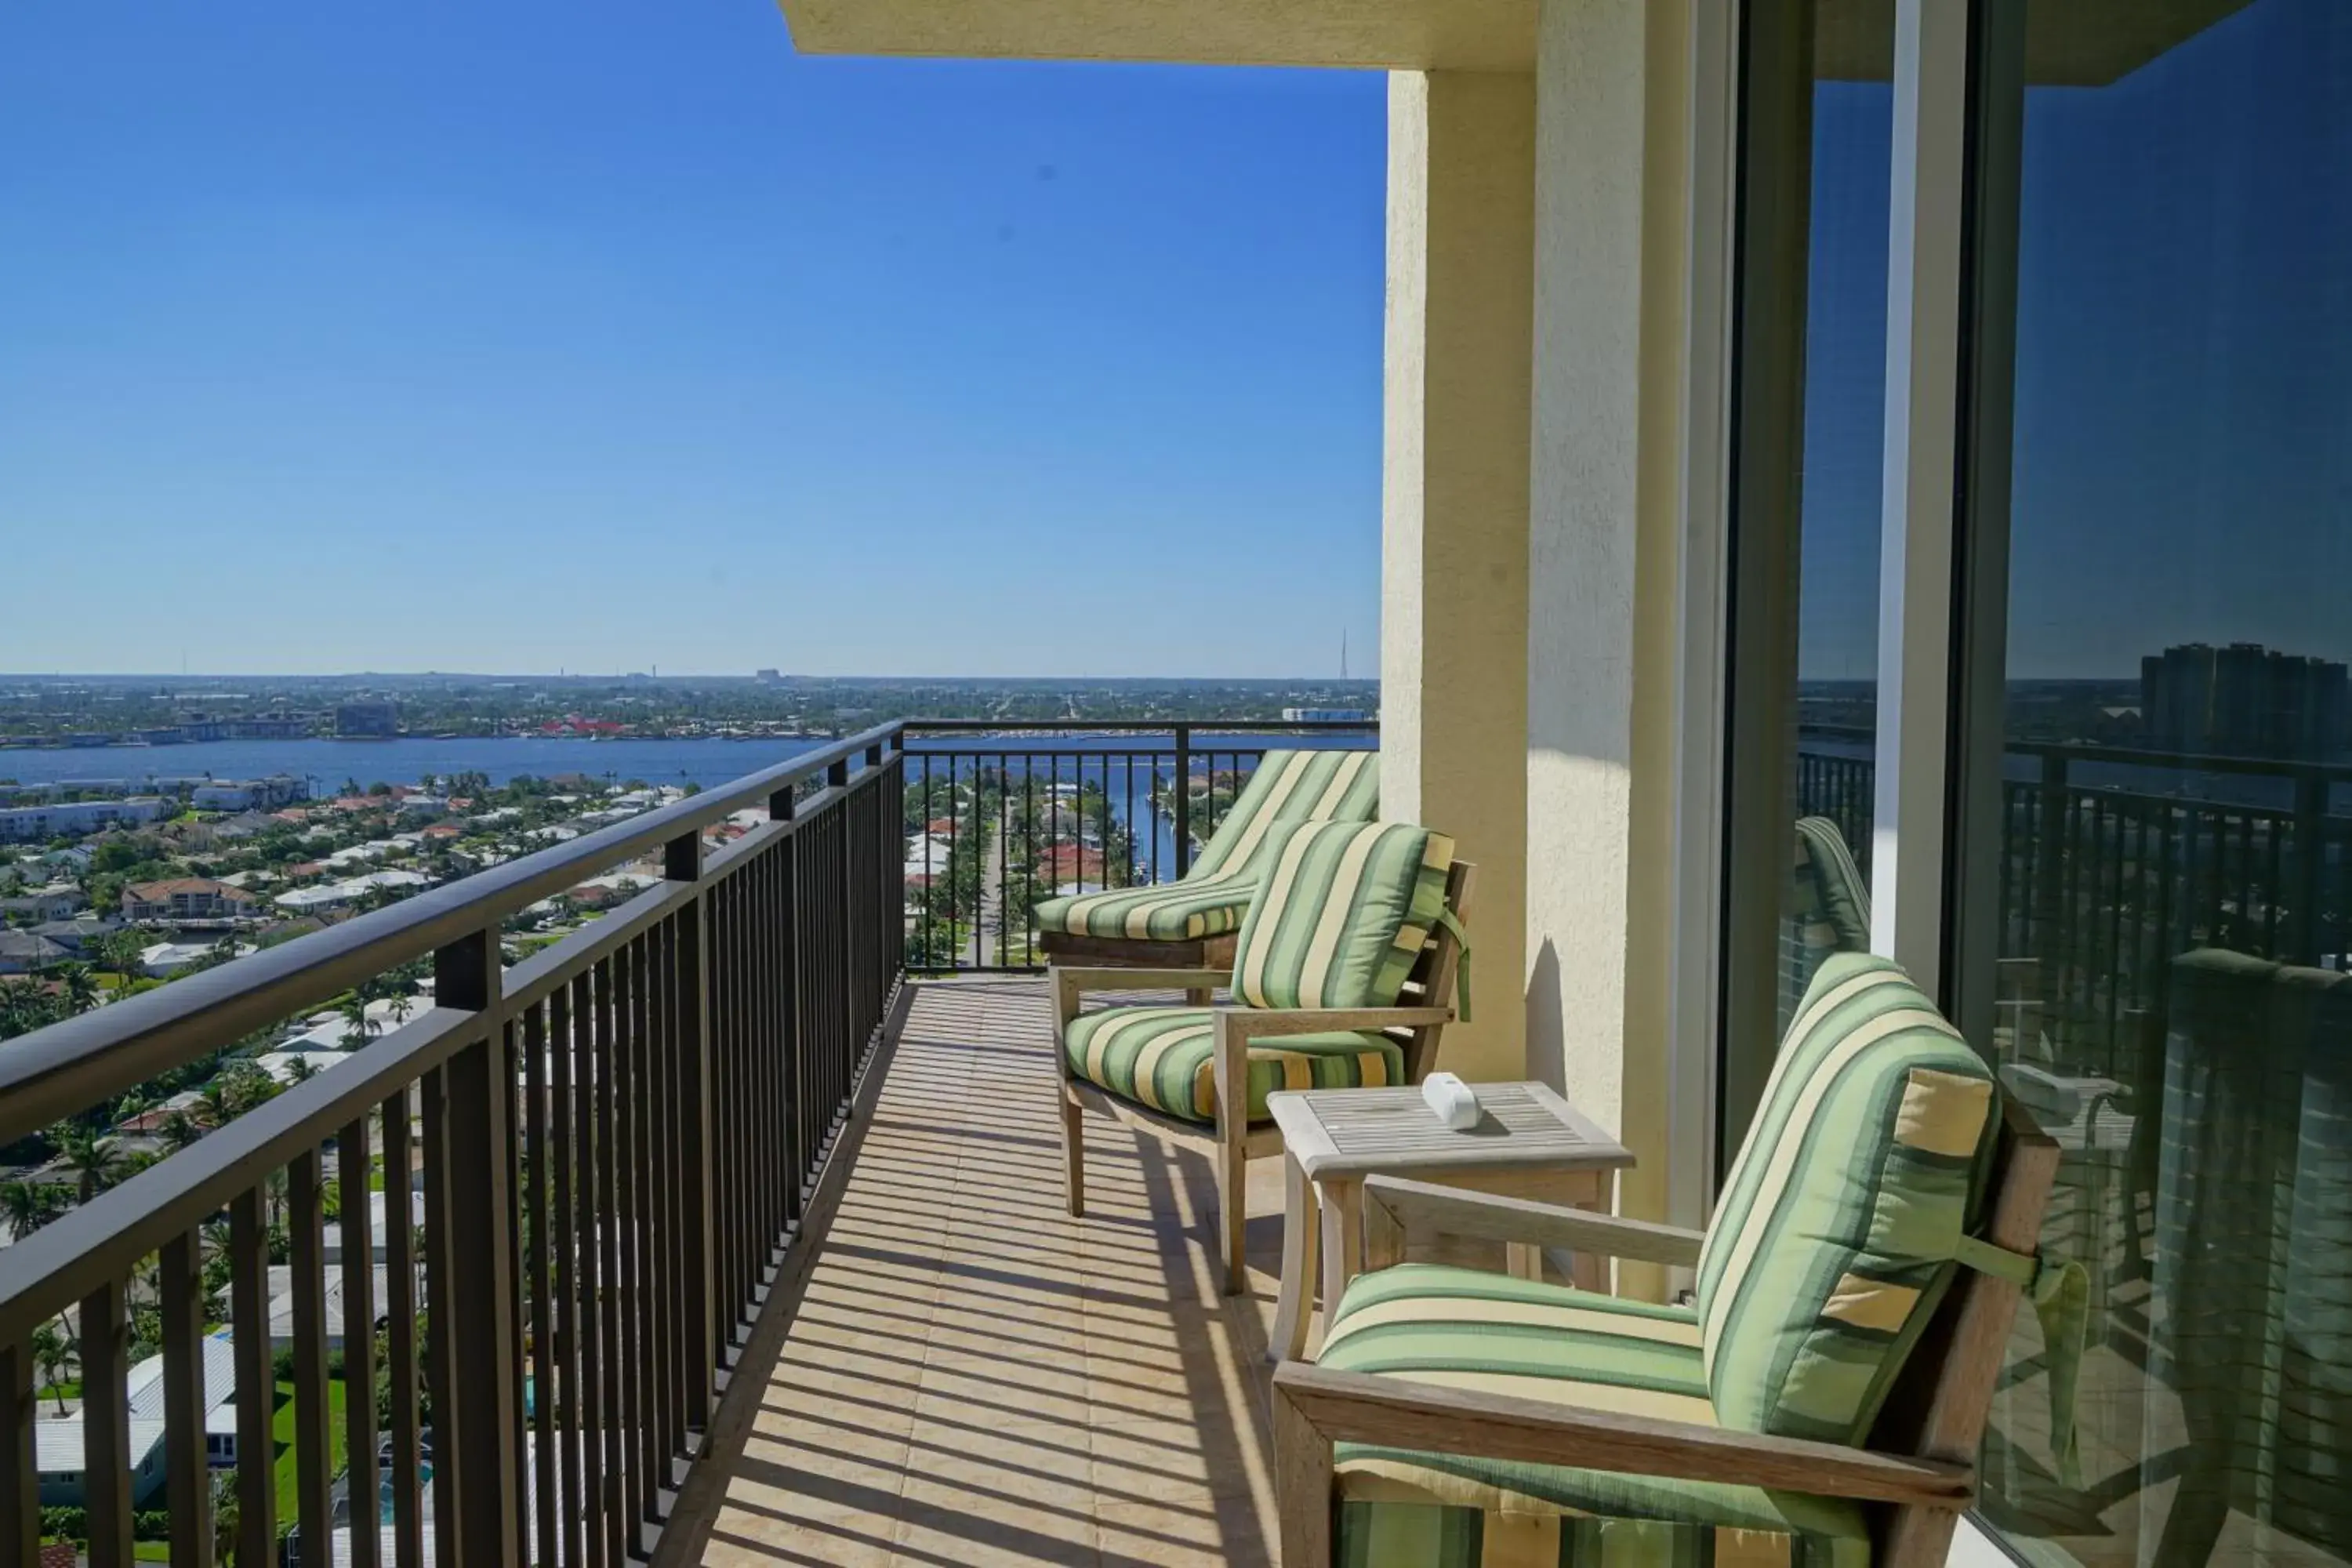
781	676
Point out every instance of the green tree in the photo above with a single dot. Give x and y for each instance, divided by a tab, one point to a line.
357	1026
23	1007
79	986
53	1353
179	1131
94	1158
26	1208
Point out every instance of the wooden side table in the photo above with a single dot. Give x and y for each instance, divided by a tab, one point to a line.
1528	1142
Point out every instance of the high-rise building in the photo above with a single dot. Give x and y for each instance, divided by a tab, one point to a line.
2244	700
375	719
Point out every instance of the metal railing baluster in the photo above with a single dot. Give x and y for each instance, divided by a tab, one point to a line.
400	1304
188	1470
314	1508
20	1484
355	1176
257	1491
104	1340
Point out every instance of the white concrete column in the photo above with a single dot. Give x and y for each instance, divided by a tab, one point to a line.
1453	618
1611	216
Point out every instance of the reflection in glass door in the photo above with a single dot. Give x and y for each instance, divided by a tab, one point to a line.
1817	116
2157	862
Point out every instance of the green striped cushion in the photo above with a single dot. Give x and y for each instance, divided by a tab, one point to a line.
1464	1329
1828	909
1834	1237
1160	1058
1170	912
1288	786
1346	910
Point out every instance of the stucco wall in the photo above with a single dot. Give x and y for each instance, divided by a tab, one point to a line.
1603	528
1454	553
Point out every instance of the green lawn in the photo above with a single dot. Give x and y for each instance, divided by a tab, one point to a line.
282	1430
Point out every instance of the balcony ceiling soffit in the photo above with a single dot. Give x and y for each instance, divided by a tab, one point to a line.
1379	34
2079	43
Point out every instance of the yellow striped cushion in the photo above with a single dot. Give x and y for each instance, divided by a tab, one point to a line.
1162	1059
1840	1219
1345	912
1462	1329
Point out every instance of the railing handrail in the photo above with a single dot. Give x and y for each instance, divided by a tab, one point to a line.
2134	756
68	1066
1141	726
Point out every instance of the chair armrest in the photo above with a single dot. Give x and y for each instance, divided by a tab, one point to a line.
1272	1022
1104	978
1397	1413
1072	983
1418	1208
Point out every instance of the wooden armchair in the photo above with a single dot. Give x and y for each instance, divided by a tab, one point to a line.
1189	923
1182	1074
1890	1497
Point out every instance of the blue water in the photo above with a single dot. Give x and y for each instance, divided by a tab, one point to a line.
330	763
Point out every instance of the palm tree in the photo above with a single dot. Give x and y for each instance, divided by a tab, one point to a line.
357	1025
401	1006
25	1208
119	951
23	1007
179	1130
53	1353
301	1070
95	1159
215	1104
228	1527
79	988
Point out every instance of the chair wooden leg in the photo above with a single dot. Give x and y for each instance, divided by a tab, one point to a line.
1074	1153
1197	996
1918	1538
1233	1205
1302	1486
1229	1071
1299	1227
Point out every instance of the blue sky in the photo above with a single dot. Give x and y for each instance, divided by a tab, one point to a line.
2183	450
599	335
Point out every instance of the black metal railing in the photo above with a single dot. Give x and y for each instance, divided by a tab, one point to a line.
2115	860
1000	817
611	1141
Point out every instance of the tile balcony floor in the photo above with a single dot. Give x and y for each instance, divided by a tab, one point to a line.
976	1378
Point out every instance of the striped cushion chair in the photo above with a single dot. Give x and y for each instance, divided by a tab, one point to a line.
1828	909
1179	924
1459	1420
1342	972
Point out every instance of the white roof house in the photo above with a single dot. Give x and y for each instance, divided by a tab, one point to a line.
281	1306
57	1441
170	957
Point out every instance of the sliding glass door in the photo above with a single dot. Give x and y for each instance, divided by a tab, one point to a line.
2153	871
1810	363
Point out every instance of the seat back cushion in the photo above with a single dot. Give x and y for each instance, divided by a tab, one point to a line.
1345	910
1834	1238
1289	786
1829	910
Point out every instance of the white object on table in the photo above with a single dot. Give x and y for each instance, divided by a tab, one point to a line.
1455	1105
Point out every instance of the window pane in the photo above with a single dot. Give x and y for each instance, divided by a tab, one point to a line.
2173	870
1818	109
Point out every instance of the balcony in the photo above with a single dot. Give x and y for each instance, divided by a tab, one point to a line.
742	1234
734	1239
